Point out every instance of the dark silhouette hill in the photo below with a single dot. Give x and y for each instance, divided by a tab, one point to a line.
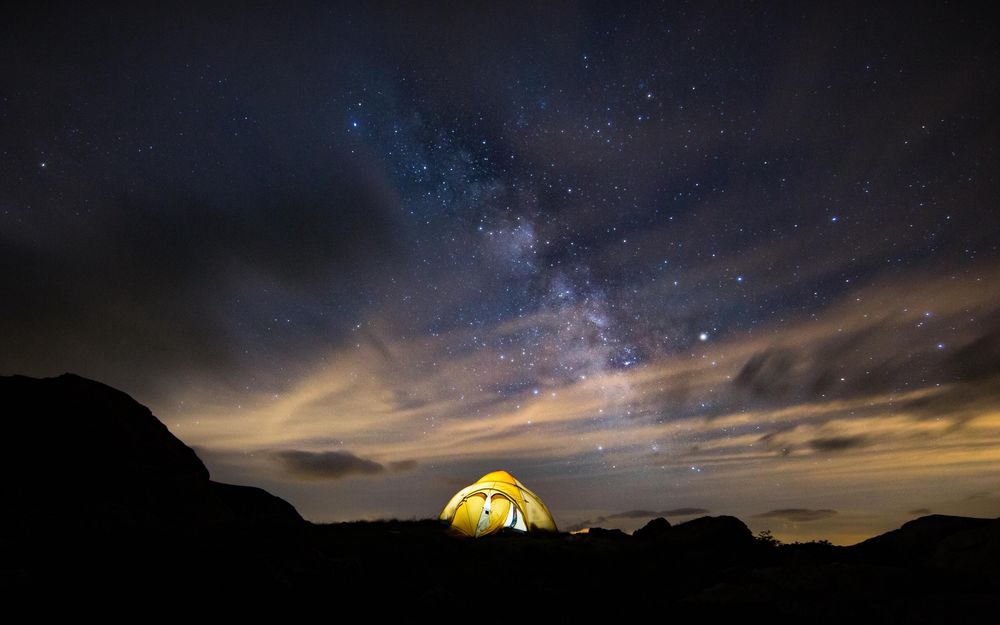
107	512
940	541
81	448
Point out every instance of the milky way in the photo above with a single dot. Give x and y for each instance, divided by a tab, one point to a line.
672	260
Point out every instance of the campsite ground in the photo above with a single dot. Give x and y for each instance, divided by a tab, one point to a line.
940	569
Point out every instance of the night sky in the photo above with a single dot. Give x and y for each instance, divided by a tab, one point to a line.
680	260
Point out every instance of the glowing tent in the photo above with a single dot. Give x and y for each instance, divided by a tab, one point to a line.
497	500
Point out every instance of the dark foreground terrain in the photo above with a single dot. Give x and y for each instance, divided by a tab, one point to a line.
108	513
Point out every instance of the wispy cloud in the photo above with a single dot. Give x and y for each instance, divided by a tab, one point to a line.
796	514
332	465
892	380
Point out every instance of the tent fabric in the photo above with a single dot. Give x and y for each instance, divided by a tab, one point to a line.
495	501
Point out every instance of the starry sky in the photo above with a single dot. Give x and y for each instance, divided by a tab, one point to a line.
675	259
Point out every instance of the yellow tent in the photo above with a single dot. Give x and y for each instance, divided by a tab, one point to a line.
497	500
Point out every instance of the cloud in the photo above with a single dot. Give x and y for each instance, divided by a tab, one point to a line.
983	494
851	358
683	512
979	359
402	465
919	511
766	374
629	514
333	465
649	514
638	514
796	514
177	283
837	443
